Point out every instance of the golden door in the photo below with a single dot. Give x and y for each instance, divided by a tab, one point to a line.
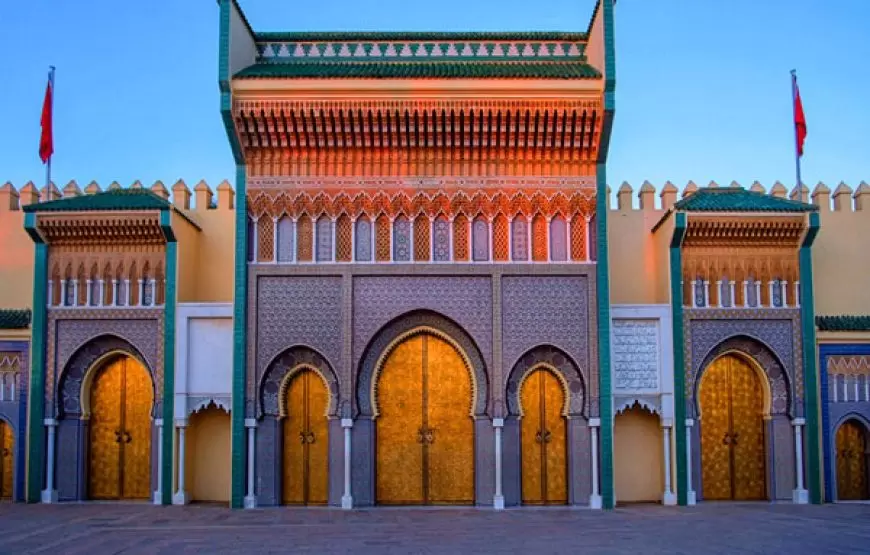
306	441
425	434
851	462
6	460
732	433
543	434
119	462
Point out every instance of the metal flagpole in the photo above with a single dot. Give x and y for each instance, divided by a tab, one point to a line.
797	153
48	163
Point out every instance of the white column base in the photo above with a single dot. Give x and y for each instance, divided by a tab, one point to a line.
347	502
157	498
180	498
669	499
691	499
498	502
49	496
800	496
595	501
250	502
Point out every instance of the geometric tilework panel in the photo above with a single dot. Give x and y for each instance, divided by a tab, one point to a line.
771	342
546	310
555	358
291	360
465	300
297	311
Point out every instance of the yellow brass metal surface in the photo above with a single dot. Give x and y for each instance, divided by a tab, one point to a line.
306	441
732	432
851	462
6	460
425	436
119	462
543	436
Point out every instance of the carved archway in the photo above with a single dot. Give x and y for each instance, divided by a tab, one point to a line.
759	355
80	368
555	360
285	366
400	328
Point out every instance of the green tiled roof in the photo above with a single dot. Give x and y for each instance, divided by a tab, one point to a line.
843	323
14	319
427	69
737	199
118	199
336	36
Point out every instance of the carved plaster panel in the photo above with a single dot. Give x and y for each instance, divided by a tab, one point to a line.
635	355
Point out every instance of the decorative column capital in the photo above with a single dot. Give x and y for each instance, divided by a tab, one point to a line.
690	422
50	422
158	422
250	422
498	422
799	422
347	422
667	422
594	422
181	422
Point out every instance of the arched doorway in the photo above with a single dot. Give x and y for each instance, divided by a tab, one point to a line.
732	431
306	440
425	433
543	437
119	453
637	460
7	458
207	468
851	461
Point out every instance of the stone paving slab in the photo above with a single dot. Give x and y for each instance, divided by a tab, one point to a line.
95	528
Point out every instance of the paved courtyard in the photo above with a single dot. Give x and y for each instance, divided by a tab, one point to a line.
714	528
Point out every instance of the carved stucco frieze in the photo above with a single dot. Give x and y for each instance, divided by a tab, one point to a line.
635	354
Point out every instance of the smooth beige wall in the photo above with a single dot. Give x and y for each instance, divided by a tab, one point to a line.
16	261
841	263
637	456
207	457
637	268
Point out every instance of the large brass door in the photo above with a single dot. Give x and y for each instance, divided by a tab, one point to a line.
851	462
119	462
425	434
7	459
543	435
732	433
306	441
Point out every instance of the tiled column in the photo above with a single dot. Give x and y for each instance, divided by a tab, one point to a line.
49	494
250	496
180	497
690	493
498	498
347	498
595	498
158	493
800	494
668	498
102	299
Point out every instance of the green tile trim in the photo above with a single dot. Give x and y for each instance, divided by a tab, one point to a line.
239	340
843	323
469	68
15	319
117	199
224	47
36	402
170	300
377	36
738	199
676	266
811	377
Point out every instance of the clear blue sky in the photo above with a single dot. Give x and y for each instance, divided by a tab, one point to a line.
702	91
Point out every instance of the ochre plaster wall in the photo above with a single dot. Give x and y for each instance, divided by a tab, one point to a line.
188	238
637	456
16	260
207	459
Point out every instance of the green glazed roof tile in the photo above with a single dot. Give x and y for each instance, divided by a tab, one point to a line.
419	35
737	199
117	199
843	323
422	69
14	319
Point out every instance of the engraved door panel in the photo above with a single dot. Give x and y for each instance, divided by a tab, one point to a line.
294	442
6	460
318	440
106	427
715	431
136	435
555	440
399	456
747	432
851	462
306	441
533	466
449	438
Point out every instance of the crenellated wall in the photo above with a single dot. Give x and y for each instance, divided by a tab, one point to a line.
16	248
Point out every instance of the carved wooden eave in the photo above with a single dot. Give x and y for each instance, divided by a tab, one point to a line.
101	228
745	230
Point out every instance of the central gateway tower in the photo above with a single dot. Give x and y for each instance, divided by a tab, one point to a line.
418	290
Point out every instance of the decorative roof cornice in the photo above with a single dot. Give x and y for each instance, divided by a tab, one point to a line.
843	323
113	199
737	199
14	319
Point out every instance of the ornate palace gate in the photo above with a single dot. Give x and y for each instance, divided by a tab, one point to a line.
851	461
544	436
732	433
306	441
7	459
119	464
425	434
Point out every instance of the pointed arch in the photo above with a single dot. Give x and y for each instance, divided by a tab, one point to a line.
556	361
291	361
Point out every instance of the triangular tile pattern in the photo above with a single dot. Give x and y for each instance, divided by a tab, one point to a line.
284	51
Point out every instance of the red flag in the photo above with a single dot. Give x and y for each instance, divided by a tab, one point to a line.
800	123
46	143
